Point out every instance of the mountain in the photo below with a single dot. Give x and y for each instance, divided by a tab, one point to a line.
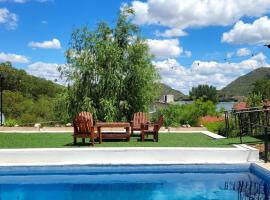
165	89
243	85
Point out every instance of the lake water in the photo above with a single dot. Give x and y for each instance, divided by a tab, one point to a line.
225	105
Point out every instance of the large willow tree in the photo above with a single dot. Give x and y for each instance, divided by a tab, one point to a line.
110	71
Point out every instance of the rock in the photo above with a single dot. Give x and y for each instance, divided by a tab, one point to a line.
16	125
37	125
201	125
188	126
68	125
184	126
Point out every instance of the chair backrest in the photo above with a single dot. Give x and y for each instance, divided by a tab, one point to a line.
88	116
159	123
139	118
83	123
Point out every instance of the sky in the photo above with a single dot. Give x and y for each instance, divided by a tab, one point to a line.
194	42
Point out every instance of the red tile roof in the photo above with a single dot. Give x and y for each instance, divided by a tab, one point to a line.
240	105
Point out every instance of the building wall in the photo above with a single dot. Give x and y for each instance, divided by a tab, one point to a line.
168	98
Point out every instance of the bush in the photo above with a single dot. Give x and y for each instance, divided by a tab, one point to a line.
10	123
175	114
255	100
216	127
220	129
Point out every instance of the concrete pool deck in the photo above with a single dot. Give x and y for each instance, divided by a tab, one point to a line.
127	155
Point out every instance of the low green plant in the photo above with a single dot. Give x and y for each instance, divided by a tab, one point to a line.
176	114
255	100
220	128
10	122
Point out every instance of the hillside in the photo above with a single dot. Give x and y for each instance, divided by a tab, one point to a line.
19	81
165	89
28	99
243	85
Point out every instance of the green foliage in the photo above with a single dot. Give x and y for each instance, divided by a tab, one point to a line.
28	99
10	122
204	92
255	100
19	81
262	89
176	115
60	108
110	70
220	128
216	127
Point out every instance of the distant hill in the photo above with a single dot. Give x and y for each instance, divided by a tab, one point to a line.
165	89
16	80
28	99
243	85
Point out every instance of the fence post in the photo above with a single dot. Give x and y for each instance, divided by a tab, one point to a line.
227	123
265	145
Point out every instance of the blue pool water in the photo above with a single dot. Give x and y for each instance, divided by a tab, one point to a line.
191	182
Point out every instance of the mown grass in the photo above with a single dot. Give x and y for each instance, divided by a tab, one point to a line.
60	140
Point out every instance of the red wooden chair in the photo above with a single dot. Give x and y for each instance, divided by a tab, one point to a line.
156	126
84	127
138	119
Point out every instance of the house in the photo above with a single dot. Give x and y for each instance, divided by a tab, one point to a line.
168	98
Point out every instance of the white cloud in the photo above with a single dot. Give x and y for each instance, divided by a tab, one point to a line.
13	58
256	33
48	71
187	54
243	52
229	54
8	18
200	72
174	32
196	13
53	44
141	11
165	48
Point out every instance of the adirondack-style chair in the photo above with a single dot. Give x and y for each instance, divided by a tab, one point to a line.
84	127
139	118
155	129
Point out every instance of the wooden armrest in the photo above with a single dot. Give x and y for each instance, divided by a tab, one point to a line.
145	126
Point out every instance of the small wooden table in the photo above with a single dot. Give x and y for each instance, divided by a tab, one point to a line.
111	135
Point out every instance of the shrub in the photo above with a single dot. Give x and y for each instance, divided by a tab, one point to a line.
220	128
255	100
175	114
10	122
216	127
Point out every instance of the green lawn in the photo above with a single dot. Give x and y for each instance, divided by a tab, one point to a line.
49	140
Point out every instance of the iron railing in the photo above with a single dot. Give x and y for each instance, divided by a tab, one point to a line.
250	122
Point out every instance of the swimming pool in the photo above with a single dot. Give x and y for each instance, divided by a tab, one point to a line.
151	182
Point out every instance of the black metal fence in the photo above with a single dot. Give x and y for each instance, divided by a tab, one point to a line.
249	122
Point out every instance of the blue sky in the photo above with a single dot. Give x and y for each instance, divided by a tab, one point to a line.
195	42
